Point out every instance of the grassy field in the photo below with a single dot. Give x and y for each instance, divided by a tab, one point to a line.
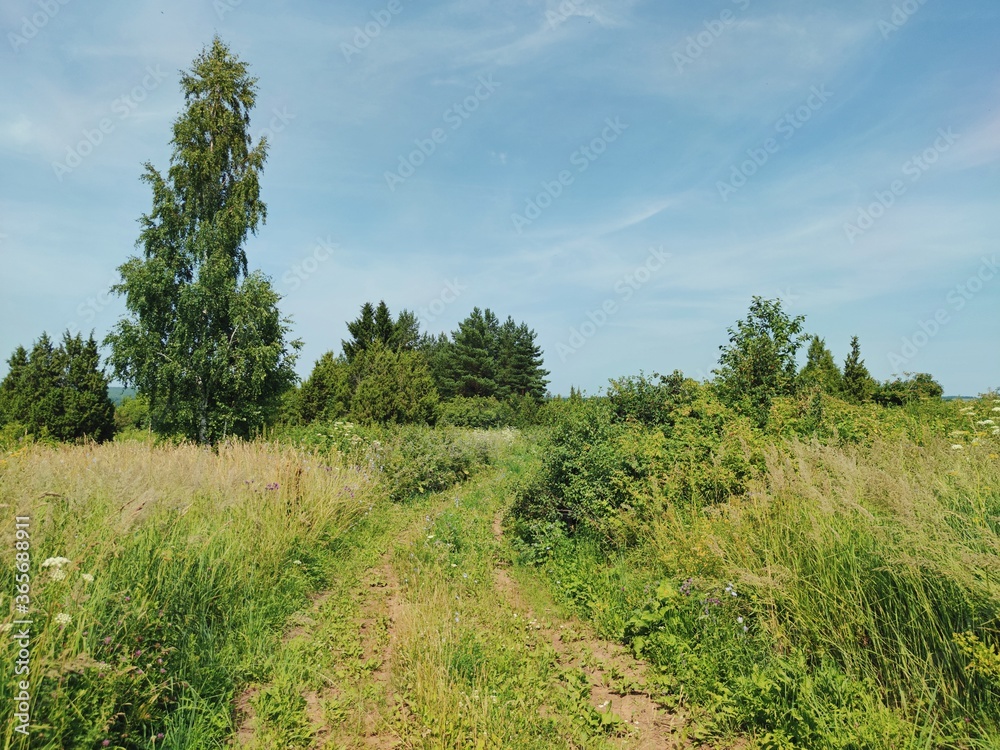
843	594
600	582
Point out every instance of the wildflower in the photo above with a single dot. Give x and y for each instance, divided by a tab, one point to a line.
107	641
956	447
87	577
995	408
271	486
55	561
106	743
746	628
63	619
58	574
986	421
739	620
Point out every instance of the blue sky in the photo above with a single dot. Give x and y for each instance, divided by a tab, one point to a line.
622	176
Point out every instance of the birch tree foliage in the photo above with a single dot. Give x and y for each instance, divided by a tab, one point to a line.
203	339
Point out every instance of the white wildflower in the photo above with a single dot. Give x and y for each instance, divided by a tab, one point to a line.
985	421
87	577
56	561
58	574
956	447
63	619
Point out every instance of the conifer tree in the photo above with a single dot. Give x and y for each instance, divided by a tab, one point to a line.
59	391
821	370
470	367
859	385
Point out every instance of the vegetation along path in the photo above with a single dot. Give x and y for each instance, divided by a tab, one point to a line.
431	638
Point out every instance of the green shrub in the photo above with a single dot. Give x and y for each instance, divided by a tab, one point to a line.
417	460
476	412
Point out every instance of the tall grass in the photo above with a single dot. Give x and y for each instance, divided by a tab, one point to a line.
870	559
183	566
848	597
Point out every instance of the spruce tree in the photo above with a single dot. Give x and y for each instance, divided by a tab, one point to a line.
59	391
362	330
520	372
859	385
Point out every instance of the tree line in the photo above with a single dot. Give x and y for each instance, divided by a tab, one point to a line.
204	342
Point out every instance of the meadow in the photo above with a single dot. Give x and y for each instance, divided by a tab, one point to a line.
647	569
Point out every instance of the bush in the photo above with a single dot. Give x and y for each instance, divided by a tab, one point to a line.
417	460
605	470
477	412
132	413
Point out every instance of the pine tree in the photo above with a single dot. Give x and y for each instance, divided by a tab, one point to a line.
204	340
470	367
859	385
520	372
